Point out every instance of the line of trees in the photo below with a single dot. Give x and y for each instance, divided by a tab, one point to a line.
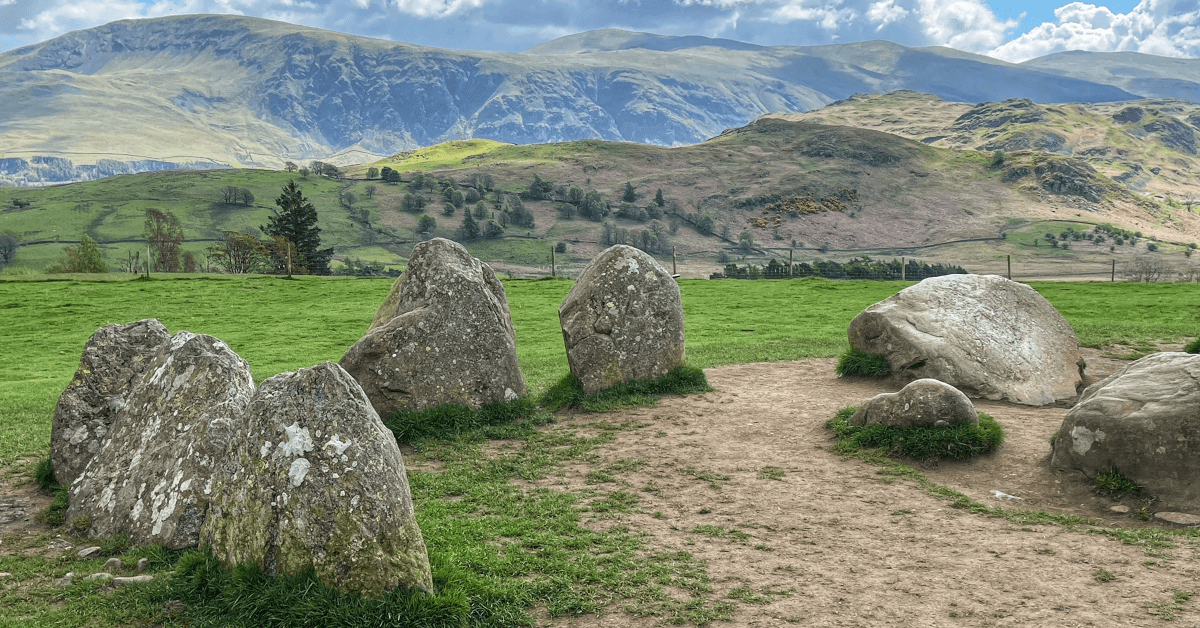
857	268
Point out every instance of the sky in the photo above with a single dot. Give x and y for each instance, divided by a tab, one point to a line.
1011	31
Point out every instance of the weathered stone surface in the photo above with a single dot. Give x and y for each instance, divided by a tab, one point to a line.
88	552
319	483
1144	421
113	564
112	359
1179	518
983	334
153	475
923	403
622	320
443	335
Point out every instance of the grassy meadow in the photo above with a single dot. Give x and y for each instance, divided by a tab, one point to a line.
501	550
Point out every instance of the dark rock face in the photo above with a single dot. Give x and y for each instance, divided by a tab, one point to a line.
622	320
1070	177
1129	115
1174	134
1144	421
317	482
991	115
113	359
443	335
922	403
152	478
983	334
1039	140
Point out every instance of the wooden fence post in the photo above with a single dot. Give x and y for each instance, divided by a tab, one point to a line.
902	269
674	268
1009	257
789	262
1113	278
552	272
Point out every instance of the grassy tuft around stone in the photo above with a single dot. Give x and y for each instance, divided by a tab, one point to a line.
44	474
1192	347
1115	485
56	513
954	442
245	596
857	363
568	392
499	419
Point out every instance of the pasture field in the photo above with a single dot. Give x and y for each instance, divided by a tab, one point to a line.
565	569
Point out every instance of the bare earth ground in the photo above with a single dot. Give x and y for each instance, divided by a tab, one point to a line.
854	550
833	543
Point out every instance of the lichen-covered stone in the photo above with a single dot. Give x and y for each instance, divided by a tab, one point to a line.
1143	421
153	476
112	359
983	334
319	483
923	403
622	320
443	335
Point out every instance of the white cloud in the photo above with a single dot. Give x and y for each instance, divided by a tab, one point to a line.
433	8
963	24
885	12
1161	27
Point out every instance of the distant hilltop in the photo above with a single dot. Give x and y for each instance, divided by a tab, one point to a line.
242	91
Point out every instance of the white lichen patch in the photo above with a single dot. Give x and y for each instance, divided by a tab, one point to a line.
299	441
298	470
1082	439
338	446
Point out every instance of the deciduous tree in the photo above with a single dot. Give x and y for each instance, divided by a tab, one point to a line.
85	258
164	234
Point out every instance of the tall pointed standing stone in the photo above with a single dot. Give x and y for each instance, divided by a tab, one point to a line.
443	335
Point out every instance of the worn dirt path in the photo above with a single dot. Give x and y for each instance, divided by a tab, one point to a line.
856	550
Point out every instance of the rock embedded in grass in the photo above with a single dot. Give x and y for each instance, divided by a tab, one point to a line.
443	335
318	483
622	320
1142	421
153	478
925	402
113	358
983	334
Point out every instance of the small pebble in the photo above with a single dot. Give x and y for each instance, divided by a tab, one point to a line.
103	575
65	581
4	574
142	563
120	582
88	552
1181	518
174	605
1120	508
113	564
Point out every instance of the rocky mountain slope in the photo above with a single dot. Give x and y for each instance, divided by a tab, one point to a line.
249	92
1150	146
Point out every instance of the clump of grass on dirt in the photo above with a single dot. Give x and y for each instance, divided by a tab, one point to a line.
56	513
1192	347
953	442
1114	484
568	392
499	419
858	363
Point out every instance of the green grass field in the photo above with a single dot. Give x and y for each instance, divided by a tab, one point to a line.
280	325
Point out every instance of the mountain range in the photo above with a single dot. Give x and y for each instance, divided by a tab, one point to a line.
211	91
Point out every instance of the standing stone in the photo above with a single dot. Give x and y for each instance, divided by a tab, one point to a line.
443	335
983	334
923	403
153	476
1143	421
622	320
319	483
112	359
